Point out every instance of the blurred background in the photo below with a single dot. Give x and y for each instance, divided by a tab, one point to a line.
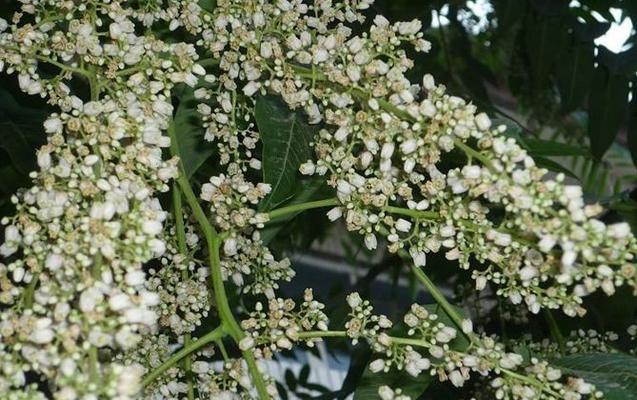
560	74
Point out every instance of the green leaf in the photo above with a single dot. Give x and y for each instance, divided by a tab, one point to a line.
550	148
574	73
607	109
370	382
614	374
21	132
545	35
632	128
553	166
306	190
193	148
286	138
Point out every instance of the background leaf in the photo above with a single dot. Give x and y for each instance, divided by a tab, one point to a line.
286	138
194	149
21	132
607	109
613	374
574	73
370	382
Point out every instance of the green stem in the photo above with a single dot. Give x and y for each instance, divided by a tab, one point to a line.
183	249
185	351
555	331
416	214
92	357
440	299
425	344
28	293
295	208
213	241
470	152
321	334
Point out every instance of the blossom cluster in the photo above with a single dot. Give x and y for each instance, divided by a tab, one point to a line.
278	327
384	144
99	286
74	288
433	347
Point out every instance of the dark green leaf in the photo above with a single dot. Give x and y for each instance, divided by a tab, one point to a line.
370	382
193	148
286	138
553	166
306	190
574	73
21	132
290	379
632	129
304	374
544	38
546	148
607	109
509	12
614	374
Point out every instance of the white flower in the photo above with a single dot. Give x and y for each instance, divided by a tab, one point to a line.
53	262
53	125
90	298
377	365
307	168
42	332
546	243
387	150
134	278
471	171
568	258
354	300
456	378
408	146
483	122
467	326
246	343
151	227
230	246
419	257
619	231
403	225
370	241
528	272
250	88
334	214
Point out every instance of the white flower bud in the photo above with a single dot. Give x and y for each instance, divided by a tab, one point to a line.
377	365
402	225
483	122
246	343
370	241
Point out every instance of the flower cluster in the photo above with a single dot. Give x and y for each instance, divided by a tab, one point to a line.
182	286
384	145
74	287
431	346
387	393
98	286
233	203
281	325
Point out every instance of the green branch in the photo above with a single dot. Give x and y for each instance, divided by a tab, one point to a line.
416	214
183	249
295	208
183	352
441	300
213	242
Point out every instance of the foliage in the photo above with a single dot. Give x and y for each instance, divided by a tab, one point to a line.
255	143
